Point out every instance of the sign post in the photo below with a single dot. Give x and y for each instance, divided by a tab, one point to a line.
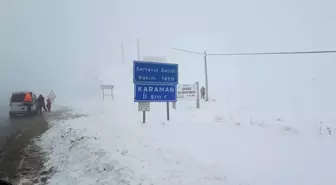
52	96
174	105
197	97
155	82
167	111
143	106
206	77
108	87
189	92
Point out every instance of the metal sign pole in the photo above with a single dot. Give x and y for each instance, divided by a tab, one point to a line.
206	77
103	94
112	93
143	112
167	111
197	96
143	116
122	52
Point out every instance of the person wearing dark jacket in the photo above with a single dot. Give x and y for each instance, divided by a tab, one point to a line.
48	104
41	104
202	93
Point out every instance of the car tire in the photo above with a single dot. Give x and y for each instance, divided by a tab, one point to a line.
11	115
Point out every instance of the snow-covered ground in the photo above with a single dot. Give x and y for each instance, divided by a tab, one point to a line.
224	142
273	119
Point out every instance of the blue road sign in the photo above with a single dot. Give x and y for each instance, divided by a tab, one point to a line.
153	72
155	92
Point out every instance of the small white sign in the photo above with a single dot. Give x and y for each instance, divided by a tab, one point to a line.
187	91
143	106
52	96
154	58
106	86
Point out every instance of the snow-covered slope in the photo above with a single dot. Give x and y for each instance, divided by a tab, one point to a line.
265	127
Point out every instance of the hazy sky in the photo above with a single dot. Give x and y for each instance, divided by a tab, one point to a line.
58	44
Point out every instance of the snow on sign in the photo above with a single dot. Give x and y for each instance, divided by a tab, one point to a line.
143	106
187	91
155	72
155	92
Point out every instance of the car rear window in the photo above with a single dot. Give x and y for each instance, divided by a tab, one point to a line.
17	97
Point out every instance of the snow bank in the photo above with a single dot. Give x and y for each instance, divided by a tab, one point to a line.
207	146
256	130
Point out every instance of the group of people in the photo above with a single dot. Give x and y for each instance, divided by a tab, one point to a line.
28	100
41	104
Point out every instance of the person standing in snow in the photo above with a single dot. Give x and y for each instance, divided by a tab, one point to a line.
28	101
203	93
48	104
41	104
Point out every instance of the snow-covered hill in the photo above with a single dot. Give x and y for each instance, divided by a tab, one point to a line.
251	134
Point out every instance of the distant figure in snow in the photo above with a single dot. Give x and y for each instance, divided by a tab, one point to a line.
203	93
41	104
48	104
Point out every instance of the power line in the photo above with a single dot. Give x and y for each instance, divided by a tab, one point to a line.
244	54
188	51
257	53
273	53
251	53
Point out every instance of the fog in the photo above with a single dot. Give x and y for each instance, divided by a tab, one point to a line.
68	46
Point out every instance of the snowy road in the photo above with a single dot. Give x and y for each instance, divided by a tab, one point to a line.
15	135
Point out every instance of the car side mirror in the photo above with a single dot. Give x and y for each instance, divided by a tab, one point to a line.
2	182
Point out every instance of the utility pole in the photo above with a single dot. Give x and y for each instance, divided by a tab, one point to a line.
143	112
197	96
206	77
138	45
122	52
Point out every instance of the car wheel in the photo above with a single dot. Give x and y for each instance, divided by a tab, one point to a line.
11	115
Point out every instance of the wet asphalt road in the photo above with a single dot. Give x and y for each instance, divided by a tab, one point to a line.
15	135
